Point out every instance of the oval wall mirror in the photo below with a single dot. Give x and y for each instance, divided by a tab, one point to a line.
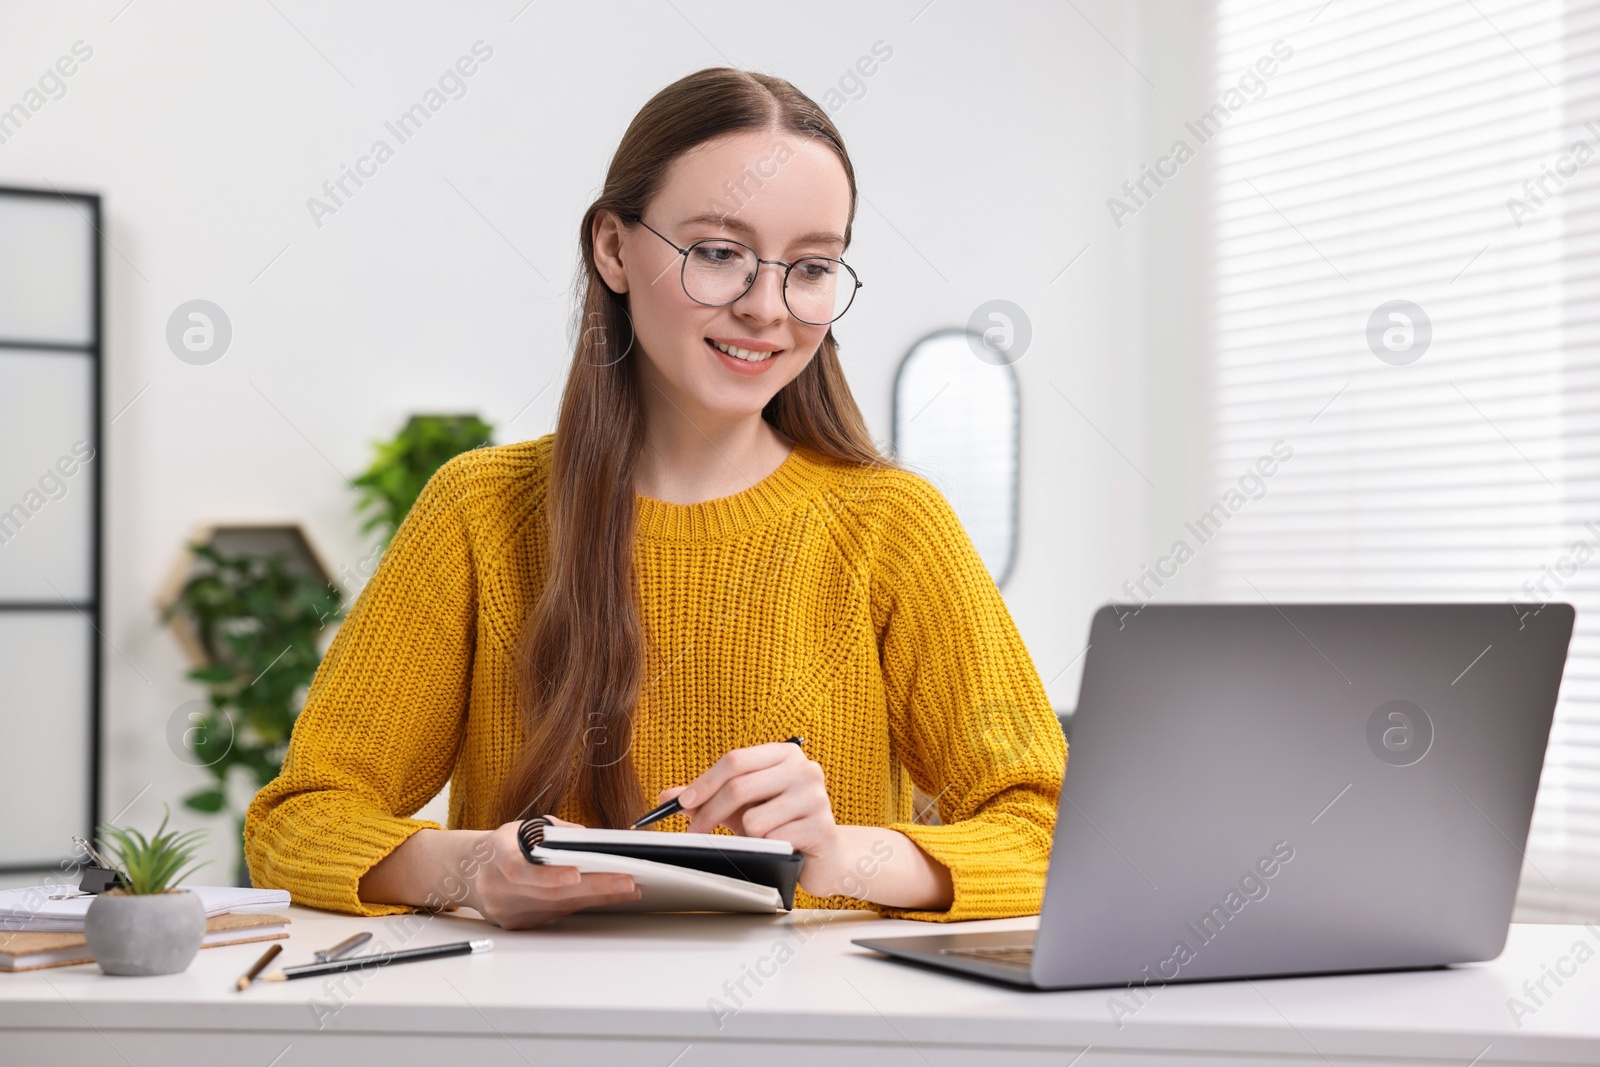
958	423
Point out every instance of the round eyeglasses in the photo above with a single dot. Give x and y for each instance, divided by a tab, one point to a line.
716	272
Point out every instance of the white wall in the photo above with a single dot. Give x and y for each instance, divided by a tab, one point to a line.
1169	271
985	149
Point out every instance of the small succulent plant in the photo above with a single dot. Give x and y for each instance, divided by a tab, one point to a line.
154	864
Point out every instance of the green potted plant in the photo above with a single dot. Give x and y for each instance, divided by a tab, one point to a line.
253	619
404	464
257	621
151	927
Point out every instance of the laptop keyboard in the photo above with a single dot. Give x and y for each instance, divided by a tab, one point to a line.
1021	955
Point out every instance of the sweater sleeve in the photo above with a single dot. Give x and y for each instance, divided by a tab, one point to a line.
383	720
968	714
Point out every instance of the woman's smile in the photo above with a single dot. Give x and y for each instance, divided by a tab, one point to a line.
744	355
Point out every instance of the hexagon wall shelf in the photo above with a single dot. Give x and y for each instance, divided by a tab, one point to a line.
288	539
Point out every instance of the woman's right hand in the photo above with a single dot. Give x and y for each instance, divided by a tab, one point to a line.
514	894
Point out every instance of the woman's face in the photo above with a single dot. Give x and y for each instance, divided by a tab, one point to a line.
782	194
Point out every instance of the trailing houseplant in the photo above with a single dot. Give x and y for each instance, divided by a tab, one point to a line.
258	621
404	464
151	926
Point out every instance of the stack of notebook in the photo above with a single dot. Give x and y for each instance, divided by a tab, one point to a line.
38	931
30	951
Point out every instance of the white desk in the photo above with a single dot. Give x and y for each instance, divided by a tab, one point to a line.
635	990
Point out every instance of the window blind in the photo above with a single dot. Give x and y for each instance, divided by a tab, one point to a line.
1444	153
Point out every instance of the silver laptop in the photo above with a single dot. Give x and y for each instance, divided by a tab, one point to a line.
1259	790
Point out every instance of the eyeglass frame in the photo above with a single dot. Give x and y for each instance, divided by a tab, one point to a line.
751	284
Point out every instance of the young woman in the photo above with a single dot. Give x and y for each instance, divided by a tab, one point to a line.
708	555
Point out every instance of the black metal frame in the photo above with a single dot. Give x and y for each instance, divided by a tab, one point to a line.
93	608
1016	481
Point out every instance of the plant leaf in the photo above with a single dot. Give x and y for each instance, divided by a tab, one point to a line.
209	801
151	864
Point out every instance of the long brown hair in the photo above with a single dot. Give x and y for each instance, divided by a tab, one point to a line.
581	653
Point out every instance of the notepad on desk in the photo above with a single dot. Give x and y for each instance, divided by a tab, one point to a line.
31	951
35	908
675	871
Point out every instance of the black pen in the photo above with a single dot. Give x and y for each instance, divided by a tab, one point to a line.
672	807
351	963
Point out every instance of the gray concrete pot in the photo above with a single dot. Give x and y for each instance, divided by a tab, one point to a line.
154	933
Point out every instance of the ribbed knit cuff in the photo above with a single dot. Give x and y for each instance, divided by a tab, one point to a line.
319	854
990	879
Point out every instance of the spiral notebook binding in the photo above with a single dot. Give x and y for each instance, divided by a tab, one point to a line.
530	835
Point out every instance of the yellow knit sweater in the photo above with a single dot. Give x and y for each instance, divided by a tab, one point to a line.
841	603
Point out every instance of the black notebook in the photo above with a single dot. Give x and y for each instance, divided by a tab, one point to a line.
676	871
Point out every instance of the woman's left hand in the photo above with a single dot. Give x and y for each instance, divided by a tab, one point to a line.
770	790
